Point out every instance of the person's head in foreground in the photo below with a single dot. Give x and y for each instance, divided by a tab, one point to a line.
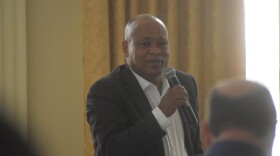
240	114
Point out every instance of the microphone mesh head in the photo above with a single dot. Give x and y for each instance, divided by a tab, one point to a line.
169	72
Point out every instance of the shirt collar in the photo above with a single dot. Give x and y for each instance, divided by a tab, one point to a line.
145	83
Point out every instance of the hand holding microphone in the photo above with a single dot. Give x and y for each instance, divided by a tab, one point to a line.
174	97
179	94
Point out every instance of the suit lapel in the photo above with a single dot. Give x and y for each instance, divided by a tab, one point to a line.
135	92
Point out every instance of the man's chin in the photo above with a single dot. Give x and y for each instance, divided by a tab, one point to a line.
157	66
156	71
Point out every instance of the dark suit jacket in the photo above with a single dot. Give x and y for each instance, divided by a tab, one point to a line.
121	119
233	148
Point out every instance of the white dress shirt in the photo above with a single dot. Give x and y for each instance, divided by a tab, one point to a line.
174	144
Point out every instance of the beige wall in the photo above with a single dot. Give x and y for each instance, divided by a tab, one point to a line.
55	76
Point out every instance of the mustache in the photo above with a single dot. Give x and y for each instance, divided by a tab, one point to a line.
155	60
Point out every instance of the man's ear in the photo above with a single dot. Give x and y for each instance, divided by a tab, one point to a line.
206	135
125	47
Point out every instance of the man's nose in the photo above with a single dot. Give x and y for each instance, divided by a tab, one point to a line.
155	49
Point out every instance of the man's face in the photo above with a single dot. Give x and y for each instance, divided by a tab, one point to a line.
147	50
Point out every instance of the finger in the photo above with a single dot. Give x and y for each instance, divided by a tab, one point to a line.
183	103
185	92
181	97
181	89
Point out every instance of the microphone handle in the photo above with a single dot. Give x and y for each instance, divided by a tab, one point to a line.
173	81
190	114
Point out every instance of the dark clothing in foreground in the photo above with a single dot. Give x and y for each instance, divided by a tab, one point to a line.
12	143
233	148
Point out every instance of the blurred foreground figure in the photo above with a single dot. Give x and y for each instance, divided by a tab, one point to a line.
240	120
12	143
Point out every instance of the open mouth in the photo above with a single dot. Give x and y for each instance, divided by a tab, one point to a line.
156	63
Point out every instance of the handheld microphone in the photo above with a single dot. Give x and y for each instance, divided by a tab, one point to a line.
170	74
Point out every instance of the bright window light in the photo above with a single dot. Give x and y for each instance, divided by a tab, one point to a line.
262	50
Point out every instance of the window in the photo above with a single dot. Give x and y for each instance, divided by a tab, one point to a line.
262	49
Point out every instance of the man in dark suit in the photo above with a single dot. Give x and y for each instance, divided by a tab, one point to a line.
241	120
133	111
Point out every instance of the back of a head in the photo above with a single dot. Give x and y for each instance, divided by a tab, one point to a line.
243	105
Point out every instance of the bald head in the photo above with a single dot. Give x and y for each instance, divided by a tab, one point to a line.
241	104
142	18
239	88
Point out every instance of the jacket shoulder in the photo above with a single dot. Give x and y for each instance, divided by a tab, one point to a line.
183	76
108	81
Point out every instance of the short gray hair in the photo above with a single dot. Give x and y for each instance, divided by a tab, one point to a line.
130	26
